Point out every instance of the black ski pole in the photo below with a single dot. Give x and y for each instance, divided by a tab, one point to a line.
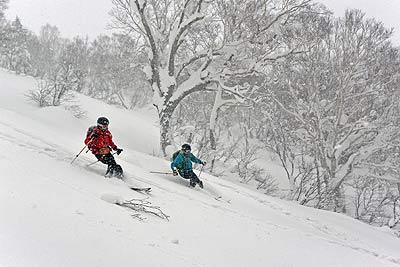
78	154
92	163
81	150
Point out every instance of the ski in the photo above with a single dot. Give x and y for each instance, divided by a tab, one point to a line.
216	197
167	173
141	189
220	198
137	189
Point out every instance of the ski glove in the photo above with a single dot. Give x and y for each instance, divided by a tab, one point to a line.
203	163
119	150
175	172
94	135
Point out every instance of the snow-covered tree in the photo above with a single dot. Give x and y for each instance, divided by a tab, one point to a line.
164	26
337	94
60	66
186	42
115	75
45	49
379	169
76	54
3	7
14	48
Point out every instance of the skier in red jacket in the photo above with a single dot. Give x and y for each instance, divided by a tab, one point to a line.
99	141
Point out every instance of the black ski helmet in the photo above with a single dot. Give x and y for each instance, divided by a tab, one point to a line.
102	121
186	147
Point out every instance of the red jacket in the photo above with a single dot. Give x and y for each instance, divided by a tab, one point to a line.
99	145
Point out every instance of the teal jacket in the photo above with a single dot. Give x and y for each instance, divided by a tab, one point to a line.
184	162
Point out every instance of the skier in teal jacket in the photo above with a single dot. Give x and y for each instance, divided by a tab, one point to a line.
182	164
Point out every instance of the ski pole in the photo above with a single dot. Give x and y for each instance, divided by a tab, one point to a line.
162	172
201	170
81	150
92	163
78	154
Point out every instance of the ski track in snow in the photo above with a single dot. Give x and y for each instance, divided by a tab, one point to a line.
328	233
17	136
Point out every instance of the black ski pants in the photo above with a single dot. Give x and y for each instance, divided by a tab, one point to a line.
110	161
189	174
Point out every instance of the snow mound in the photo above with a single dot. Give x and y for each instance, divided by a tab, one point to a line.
112	198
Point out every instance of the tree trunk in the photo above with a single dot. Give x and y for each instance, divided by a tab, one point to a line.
339	200
165	140
213	145
213	121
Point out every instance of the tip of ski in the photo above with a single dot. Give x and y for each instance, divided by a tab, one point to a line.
141	189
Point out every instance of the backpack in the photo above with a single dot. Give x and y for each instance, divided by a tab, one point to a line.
175	155
183	166
90	131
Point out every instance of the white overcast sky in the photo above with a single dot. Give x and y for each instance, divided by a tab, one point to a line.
387	11
90	17
72	17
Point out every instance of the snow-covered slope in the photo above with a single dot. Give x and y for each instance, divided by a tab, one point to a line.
52	213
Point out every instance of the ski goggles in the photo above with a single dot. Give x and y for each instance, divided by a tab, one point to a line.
186	151
102	126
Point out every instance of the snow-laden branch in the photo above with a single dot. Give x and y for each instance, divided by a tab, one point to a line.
175	36
141	6
293	114
357	127
395	169
275	56
286	11
194	81
363	94
235	92
194	59
124	17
